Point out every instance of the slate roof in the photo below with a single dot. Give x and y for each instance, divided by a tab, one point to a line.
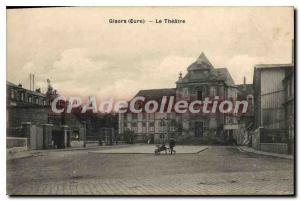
201	63
8	83
216	74
156	94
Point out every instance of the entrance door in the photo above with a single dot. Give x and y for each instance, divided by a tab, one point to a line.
199	129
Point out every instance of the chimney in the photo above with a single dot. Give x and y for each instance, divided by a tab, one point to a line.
244	80
29	81
32	82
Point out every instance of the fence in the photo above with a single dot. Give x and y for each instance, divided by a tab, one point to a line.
270	140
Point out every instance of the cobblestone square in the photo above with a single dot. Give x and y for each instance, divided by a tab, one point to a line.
217	170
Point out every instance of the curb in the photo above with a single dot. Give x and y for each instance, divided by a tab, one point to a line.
265	153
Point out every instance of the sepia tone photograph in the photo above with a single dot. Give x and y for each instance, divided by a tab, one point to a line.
150	101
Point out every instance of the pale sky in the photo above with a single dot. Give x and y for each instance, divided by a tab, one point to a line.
82	54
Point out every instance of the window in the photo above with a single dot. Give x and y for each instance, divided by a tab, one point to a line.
134	127
151	116
144	127
134	116
199	95
36	100
213	91
12	94
185	93
250	98
151	126
22	96
29	99
144	116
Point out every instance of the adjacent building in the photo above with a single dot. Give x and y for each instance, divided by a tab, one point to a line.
274	106
32	108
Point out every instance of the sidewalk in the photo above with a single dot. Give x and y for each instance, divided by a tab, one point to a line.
43	152
251	150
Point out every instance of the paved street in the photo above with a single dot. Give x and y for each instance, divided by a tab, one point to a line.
149	149
218	170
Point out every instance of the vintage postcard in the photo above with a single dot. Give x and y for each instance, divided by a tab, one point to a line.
150	101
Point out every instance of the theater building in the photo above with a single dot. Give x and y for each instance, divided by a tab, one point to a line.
201	80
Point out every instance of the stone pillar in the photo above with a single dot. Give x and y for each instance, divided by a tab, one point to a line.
69	138
47	136
64	130
84	134
26	126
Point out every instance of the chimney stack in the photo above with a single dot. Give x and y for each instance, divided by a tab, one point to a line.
29	81
32	82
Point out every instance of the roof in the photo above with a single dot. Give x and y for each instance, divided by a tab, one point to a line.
156	94
11	84
244	90
216	74
266	66
202	63
8	83
259	67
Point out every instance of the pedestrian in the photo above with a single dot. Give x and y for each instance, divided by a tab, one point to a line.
172	145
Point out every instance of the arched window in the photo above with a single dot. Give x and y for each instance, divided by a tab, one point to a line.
185	93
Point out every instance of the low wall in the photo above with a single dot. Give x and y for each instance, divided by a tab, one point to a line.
16	142
279	148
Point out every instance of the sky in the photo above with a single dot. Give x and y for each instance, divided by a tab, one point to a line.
84	55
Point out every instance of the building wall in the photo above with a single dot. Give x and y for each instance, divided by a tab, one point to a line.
145	125
272	98
18	115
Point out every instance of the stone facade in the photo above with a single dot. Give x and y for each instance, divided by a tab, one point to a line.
33	108
202	80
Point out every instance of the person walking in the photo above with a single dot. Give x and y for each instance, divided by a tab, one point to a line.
172	145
